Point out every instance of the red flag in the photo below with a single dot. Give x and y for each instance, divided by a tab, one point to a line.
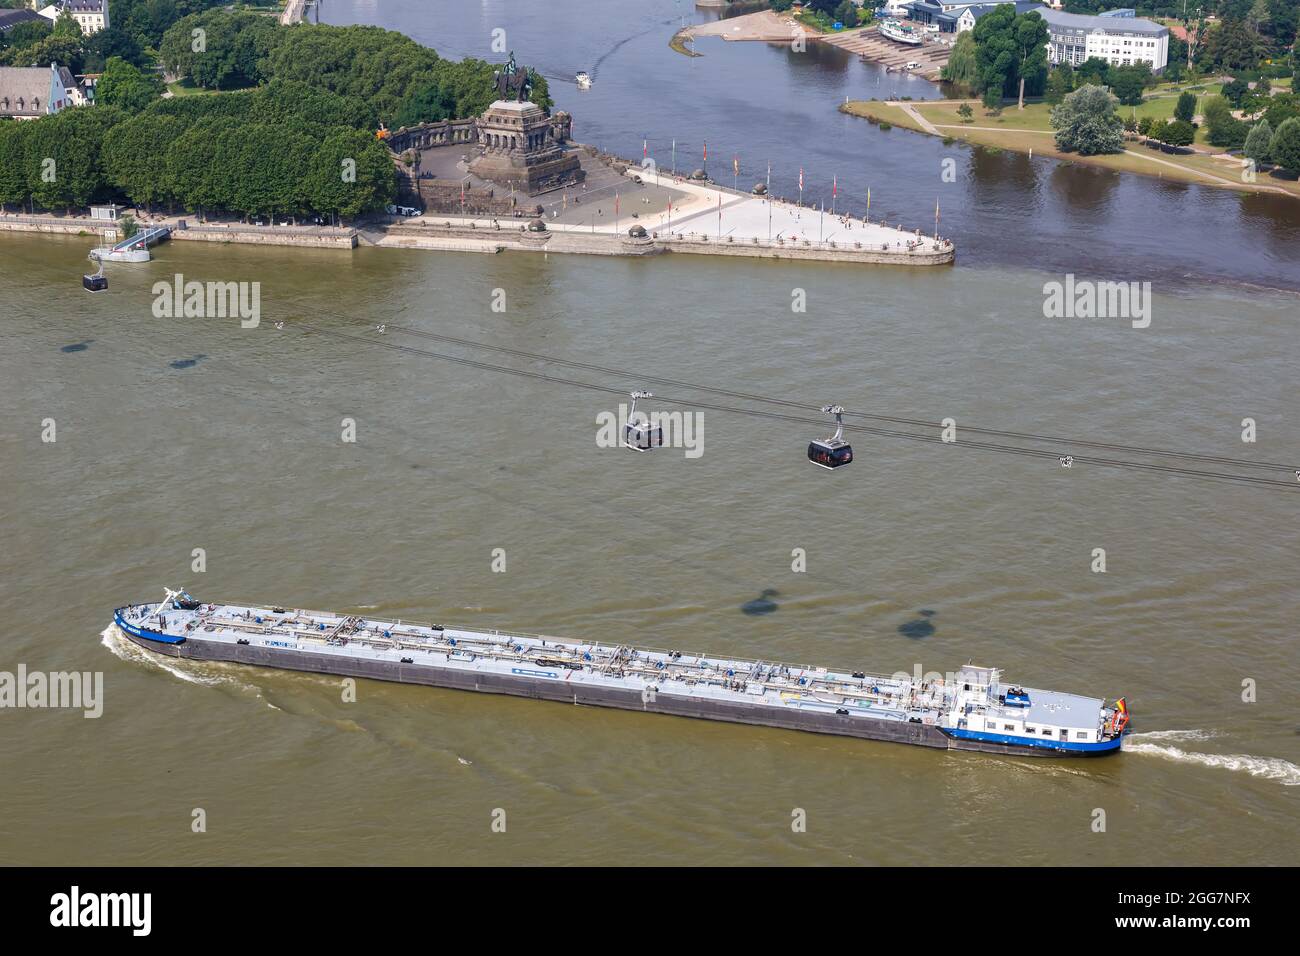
645	148
706	150
735	164
834	185
801	178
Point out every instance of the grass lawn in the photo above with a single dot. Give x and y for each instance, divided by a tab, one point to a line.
185	87
1030	129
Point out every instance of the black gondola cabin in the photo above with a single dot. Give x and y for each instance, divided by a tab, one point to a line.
830	454
95	283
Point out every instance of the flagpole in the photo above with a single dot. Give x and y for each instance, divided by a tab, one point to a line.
674	157
868	219
936	219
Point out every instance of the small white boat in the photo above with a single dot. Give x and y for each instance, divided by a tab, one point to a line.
583	80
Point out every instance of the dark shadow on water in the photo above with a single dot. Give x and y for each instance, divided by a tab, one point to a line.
761	604
76	346
188	363
919	627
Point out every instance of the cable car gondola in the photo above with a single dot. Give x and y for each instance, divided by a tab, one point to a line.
641	435
98	282
833	452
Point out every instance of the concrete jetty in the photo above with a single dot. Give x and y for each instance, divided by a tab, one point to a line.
674	214
768	26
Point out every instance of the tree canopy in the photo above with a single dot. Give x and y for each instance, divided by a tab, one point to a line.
1086	122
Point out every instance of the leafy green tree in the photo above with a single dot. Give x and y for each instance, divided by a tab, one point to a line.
1185	109
126	86
1145	124
1009	48
430	104
1158	130
56	48
13	162
1086	122
1059	82
1179	133
111	42
846	13
1221	127
1232	45
1092	70
962	69
993	99
1128	82
135	157
62	156
1284	147
350	173
1234	90
965	112
1257	140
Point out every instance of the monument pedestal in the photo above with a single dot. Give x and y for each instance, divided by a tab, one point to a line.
518	148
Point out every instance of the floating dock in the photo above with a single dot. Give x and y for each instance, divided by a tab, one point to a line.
970	710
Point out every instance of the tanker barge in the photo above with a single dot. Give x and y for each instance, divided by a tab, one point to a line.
973	709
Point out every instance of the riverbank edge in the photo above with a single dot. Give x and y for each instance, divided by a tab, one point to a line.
905	116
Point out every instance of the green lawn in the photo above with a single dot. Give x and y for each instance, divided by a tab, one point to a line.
185	87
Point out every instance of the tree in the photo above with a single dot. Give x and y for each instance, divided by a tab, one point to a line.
350	173
1092	70
13	162
1232	45
1031	46
62	155
1158	130
993	99
55	48
135	157
1179	133
965	112
1086	122
1186	107
1128	82
962	69
1257	140
1010	49
125	86
112	42
1221	127
995	49
1059	82
1234	90
847	14
1284	147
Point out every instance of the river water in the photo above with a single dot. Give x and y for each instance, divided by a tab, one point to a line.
181	434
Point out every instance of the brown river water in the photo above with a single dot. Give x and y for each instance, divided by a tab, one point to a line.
186	433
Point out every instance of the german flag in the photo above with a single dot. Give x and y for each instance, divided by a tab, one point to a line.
1121	705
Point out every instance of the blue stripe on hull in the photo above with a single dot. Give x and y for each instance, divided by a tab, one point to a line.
1065	746
148	635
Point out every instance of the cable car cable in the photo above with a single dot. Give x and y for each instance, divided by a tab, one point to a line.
881	432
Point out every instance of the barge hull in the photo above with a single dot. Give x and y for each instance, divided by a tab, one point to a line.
560	690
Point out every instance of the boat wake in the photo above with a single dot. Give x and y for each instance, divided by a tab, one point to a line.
193	673
1267	768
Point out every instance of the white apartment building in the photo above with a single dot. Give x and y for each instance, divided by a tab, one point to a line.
1120	41
91	15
